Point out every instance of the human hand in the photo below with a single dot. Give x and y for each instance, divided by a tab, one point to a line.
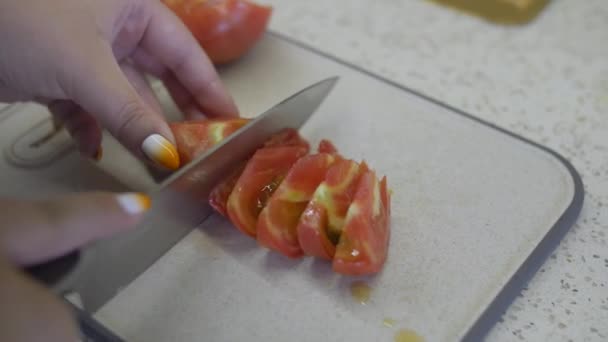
86	60
35	231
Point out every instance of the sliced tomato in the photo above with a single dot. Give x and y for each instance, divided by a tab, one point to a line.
276	226
261	177
218	199
321	222
197	136
226	29
326	146
363	245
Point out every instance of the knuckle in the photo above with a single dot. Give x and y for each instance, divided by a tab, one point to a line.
130	115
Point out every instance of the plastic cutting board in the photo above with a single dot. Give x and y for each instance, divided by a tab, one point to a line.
476	210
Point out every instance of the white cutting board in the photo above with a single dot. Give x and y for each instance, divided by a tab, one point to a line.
470	205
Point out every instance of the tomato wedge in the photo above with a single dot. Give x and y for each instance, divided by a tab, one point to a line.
261	177
363	245
225	29
276	226
218	199
197	136
321	222
326	146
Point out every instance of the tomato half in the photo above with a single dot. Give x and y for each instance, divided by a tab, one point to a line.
363	245
321	222
226	29
197	136
261	177
276	226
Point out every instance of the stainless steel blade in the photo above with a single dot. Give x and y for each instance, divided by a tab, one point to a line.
180	203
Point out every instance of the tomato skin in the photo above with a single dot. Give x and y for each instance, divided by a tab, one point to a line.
363	245
326	146
320	224
225	29
218	199
277	223
261	177
197	136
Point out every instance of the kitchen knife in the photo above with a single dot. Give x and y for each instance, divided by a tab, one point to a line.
179	204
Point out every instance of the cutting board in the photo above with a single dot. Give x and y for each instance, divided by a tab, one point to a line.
476	210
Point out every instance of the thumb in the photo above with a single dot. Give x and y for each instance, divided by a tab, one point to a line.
36	231
98	85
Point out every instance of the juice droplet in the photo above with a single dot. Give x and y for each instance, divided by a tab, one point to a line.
407	336
360	292
388	322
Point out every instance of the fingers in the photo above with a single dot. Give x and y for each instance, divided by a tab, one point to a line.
186	103
34	231
169	41
139	81
84	128
102	89
29	312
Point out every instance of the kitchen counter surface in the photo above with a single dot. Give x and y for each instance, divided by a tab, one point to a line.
547	81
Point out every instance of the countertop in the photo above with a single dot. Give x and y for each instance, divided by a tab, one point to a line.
547	81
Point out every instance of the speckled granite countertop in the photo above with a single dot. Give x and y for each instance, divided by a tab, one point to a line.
547	81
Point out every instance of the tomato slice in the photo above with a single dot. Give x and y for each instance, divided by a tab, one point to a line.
276	226
218	199
363	245
321	222
197	136
261	177
326	146
225	29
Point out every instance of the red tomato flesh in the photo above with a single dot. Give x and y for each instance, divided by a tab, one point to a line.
364	241
261	177
276	226
321	222
218	199
326	146
225	29
197	136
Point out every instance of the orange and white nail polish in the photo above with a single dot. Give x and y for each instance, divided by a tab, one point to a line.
134	203
161	151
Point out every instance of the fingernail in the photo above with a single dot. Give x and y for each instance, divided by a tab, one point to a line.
161	151
98	154
134	203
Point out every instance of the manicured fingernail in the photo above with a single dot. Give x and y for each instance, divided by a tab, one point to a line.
161	151
98	154
134	203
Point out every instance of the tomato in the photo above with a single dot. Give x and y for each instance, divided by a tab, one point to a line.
276	225
320	226
363	245
197	136
322	205
225	29
218	198
326	146
261	177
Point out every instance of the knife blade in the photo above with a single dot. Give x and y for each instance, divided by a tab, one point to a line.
179	204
